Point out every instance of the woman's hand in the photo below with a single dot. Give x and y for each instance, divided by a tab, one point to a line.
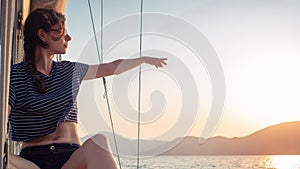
157	62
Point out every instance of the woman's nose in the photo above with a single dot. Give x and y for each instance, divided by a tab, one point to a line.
67	37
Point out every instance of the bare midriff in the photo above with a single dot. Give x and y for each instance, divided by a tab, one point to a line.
66	132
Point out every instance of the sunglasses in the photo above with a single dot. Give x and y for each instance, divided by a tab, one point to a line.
60	32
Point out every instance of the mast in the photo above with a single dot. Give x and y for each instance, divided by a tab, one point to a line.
7	22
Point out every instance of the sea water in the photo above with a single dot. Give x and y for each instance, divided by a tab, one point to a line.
214	162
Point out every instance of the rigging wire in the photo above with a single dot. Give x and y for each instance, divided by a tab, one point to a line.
100	56
140	86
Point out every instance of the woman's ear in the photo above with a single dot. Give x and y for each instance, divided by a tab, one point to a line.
42	35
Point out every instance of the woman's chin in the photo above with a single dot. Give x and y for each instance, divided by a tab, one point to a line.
60	52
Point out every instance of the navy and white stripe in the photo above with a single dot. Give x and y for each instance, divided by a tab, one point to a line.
33	114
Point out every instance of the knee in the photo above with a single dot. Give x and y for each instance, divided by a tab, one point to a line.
98	140
99	137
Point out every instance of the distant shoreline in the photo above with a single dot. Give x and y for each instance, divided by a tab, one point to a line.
279	139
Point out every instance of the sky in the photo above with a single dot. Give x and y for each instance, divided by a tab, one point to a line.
245	50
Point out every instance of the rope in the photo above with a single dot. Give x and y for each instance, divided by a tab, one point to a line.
140	86
100	56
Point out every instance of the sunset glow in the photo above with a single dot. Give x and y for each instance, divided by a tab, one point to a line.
257	44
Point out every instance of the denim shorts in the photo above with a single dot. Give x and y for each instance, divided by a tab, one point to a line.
52	156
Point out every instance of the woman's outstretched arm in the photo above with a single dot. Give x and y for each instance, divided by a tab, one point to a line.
122	65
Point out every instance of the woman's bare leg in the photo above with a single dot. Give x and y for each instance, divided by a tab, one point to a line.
95	153
17	162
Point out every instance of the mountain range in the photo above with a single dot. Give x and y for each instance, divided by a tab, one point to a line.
283	138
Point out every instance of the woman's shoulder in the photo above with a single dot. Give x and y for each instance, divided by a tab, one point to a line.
63	65
19	73
66	63
18	67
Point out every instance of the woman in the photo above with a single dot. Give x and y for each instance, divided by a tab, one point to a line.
42	99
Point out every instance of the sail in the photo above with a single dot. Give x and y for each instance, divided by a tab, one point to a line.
58	5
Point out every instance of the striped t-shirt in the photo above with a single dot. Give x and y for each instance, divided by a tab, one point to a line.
33	114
